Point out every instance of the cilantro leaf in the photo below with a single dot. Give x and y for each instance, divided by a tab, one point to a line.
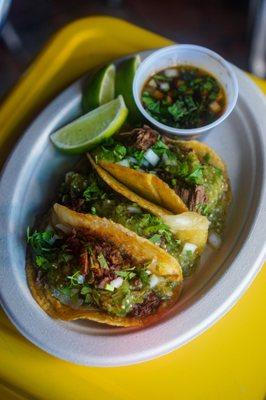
126	274
144	276
41	241
154	107
177	110
196	176
206	158
120	151
102	261
76	278
109	287
42	262
93	211
93	192
156	238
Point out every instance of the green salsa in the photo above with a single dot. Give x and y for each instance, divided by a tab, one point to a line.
183	97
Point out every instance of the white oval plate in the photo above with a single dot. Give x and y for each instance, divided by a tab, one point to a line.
28	185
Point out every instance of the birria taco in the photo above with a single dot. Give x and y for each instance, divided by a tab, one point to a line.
183	236
87	267
179	176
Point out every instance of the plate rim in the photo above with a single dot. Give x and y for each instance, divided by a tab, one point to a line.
207	322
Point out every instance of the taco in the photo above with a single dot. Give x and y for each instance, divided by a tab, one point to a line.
87	267
99	193
177	175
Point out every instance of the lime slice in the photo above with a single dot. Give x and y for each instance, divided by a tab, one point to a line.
92	128
125	73
100	88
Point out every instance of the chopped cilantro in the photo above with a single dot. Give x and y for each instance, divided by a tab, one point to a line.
173	181
85	290
147	100
196	176
160	147
102	261
109	287
144	276
93	211
178	110
76	278
42	262
66	291
120	151
93	192
41	241
156	238
207	158
154	107
183	169
126	274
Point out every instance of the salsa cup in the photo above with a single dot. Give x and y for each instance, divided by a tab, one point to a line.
196	56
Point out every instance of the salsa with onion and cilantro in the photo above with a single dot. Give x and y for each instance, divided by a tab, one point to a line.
183	97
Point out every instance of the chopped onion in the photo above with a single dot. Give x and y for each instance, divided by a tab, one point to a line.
151	157
53	239
124	163
145	163
152	83
80	279
63	298
63	228
164	86
132	160
154	280
189	247
134	209
165	157
117	282
214	240
171	73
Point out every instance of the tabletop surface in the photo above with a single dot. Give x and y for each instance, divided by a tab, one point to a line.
225	362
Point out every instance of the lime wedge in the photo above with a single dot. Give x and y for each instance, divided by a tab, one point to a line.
100	88
125	73
92	128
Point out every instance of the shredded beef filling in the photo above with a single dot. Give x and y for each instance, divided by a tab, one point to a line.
90	259
192	197
143	138
149	306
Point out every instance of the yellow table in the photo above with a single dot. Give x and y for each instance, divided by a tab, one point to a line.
226	362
